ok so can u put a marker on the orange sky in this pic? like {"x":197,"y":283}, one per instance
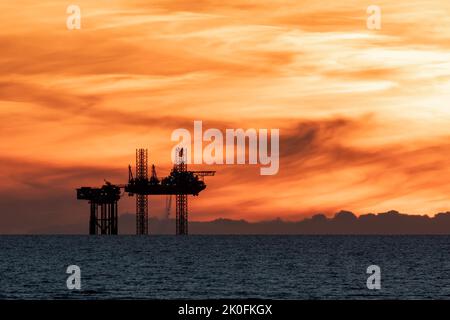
{"x":363,"y":115}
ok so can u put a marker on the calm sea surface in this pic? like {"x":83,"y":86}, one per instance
{"x":202,"y":267}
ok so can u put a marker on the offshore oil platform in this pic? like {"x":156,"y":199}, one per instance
{"x":180,"y":182}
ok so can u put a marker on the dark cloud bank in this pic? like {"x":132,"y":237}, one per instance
{"x":344,"y":222}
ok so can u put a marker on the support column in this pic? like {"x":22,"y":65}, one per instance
{"x":141,"y":199}
{"x":93,"y":219}
{"x":181,"y":214}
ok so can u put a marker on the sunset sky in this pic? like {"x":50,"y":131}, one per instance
{"x":364,"y":115}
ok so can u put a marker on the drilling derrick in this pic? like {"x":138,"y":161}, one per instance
{"x":141,"y":199}
{"x":181,"y":197}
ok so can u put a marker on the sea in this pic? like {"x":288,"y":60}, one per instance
{"x":225,"y":267}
